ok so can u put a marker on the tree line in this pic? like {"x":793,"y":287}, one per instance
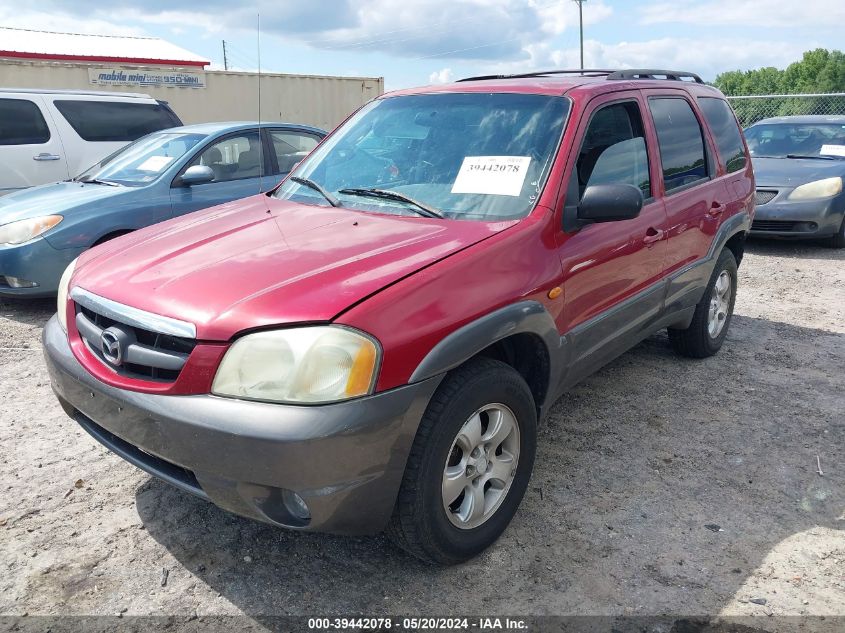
{"x":818,"y":71}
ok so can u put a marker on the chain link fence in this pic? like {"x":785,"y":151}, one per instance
{"x":750,"y":109}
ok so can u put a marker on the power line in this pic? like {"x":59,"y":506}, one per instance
{"x":470,"y":48}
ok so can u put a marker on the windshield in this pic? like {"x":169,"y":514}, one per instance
{"x":780,"y":140}
{"x":463,"y":156}
{"x":143,"y":161}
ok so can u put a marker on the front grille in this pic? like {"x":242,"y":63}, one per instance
{"x":762,"y":196}
{"x":149,"y":356}
{"x":773,"y":225}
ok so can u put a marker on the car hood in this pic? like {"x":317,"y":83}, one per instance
{"x":791,"y":172}
{"x":56,"y":198}
{"x":260,"y":261}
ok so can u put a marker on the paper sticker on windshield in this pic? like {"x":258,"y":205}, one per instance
{"x":496,"y":175}
{"x":155,"y":163}
{"x":832,"y":150}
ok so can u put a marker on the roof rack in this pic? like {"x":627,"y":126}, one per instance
{"x":630,"y":73}
{"x":587,"y":72}
{"x":649,"y":73}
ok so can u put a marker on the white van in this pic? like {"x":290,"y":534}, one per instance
{"x":51,"y":135}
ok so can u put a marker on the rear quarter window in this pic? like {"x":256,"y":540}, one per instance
{"x":722,"y":122}
{"x":103,"y":121}
{"x":21,"y":123}
{"x":681,"y":142}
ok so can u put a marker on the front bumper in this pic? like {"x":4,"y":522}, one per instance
{"x":808,"y":219}
{"x":36,"y":261}
{"x":344,"y":460}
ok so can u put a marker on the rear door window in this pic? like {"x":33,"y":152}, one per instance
{"x":115,"y":121}
{"x":680,"y":140}
{"x":21,"y":123}
{"x":725,"y":129}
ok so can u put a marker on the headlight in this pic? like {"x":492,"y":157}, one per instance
{"x":61,"y":302}
{"x":817,"y":189}
{"x":25,"y":230}
{"x":300,"y":365}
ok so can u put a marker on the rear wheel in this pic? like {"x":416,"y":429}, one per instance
{"x":469,"y":465}
{"x":709,"y":327}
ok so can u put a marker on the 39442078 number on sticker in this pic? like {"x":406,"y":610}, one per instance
{"x":493,"y":175}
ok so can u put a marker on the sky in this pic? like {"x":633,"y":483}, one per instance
{"x":416,"y":42}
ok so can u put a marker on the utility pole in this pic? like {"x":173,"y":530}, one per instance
{"x":226,"y":59}
{"x":581,"y":26}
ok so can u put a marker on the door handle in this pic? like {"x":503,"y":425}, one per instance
{"x":46,"y":156}
{"x":653,"y":235}
{"x":717,"y":208}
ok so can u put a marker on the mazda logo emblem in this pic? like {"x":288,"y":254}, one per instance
{"x":111,"y":347}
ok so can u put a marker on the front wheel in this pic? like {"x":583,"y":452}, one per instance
{"x":709,"y":327}
{"x":469,"y":465}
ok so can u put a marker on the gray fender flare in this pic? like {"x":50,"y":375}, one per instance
{"x":470,"y":339}
{"x":739,"y":223}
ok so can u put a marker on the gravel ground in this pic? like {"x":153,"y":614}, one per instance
{"x":662,"y":486}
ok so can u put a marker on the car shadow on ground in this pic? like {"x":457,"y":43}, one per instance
{"x":796,"y":249}
{"x":660,"y":485}
{"x":28,"y":311}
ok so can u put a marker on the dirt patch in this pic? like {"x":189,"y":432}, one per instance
{"x":662,"y":486}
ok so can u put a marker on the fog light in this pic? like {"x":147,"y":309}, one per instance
{"x":296,"y":506}
{"x":17,"y":282}
{"x":806,"y":227}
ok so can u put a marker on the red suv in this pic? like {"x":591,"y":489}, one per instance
{"x":372,"y":344}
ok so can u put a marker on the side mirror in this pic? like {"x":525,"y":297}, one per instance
{"x":197,"y":175}
{"x":607,"y":203}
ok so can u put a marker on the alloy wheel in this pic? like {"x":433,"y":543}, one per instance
{"x":720,"y":304}
{"x":481,"y":466}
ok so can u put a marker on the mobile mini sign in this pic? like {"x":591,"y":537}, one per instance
{"x":146,"y":78}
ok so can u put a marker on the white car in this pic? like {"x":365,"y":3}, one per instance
{"x":52,"y":135}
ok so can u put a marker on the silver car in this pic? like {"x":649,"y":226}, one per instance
{"x":799,"y":166}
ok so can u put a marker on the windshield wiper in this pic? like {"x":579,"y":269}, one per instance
{"x":422,"y":208}
{"x":817,"y":157}
{"x":307,"y":182}
{"x":97,"y":181}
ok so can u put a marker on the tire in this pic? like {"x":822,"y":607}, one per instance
{"x":421,"y":523}
{"x":698,"y":340}
{"x":838,"y":240}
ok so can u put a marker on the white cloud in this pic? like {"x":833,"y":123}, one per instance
{"x":753,"y":13}
{"x":18,"y":18}
{"x":443,"y":76}
{"x":417,"y":29}
{"x":560,"y":16}
{"x":707,"y":57}
{"x":722,"y":53}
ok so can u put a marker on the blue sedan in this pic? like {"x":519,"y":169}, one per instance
{"x":160,"y":176}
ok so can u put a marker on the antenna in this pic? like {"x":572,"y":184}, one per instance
{"x":260,"y":139}
{"x":225,"y":57}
